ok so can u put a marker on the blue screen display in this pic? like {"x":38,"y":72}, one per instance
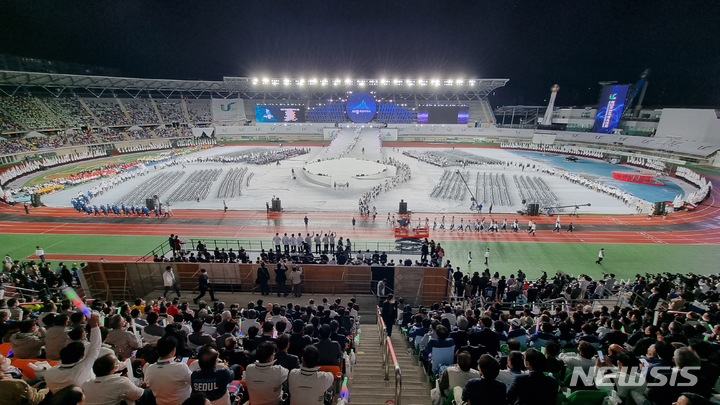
{"x":278,"y":113}
{"x":361,"y":107}
{"x":610,"y":108}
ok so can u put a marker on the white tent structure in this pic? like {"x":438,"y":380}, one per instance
{"x":198,"y":132}
{"x":35,"y":134}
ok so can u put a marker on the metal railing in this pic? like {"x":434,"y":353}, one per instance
{"x":401,"y":247}
{"x":12,"y":291}
{"x":388,"y":357}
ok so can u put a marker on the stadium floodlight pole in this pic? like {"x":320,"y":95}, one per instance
{"x":472,"y":197}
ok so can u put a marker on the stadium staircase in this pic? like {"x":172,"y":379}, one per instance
{"x":157,"y":111}
{"x":89,"y":111}
{"x":21,"y":123}
{"x":186,"y":114}
{"x":123,"y":109}
{"x":368,"y":386}
{"x":48,"y":111}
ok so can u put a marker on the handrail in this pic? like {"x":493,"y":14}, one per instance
{"x":256,"y":246}
{"x":389,"y":355}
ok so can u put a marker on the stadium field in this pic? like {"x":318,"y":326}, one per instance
{"x":625,"y":260}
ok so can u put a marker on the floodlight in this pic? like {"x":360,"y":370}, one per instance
{"x":459,"y":82}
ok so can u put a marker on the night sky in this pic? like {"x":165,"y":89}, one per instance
{"x":533,"y":43}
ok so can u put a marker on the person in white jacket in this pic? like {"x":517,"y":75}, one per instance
{"x":169,"y":281}
{"x":75,"y":367}
{"x":295,"y":278}
{"x":39,"y":252}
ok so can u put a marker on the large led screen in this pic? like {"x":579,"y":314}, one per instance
{"x":361,"y":107}
{"x":610,"y":108}
{"x":443,"y":115}
{"x":277,"y":113}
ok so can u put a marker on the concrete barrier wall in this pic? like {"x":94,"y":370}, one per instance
{"x":129,"y":280}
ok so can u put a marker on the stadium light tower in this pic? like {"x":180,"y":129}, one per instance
{"x":547,"y":119}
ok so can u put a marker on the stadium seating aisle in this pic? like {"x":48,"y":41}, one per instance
{"x":368,"y":387}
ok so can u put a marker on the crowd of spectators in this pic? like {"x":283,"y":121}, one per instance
{"x":199,"y":110}
{"x":166,"y":133}
{"x":54,"y":140}
{"x":14,"y":145}
{"x":26,"y":110}
{"x":7,"y":124}
{"x":70,"y":110}
{"x":140,"y":111}
{"x":529,"y":353}
{"x":110,"y":135}
{"x":144,"y":133}
{"x":171,"y":111}
{"x":163,"y":352}
{"x":107,"y":111}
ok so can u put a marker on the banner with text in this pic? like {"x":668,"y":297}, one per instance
{"x":228,"y":109}
{"x":387,"y":134}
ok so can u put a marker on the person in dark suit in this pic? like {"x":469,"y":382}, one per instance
{"x":281,"y":278}
{"x":665,"y":393}
{"x":263,"y":276}
{"x":298,"y":340}
{"x":534,"y":388}
{"x":652,"y":300}
{"x":488,"y":337}
{"x":474,"y":347}
{"x":389,"y":313}
{"x":460,"y":335}
{"x":268,"y":329}
{"x":204,"y":286}
{"x":330,"y":352}
{"x":616,"y":336}
{"x":282,"y":357}
{"x":485,"y":390}
{"x":340,"y":338}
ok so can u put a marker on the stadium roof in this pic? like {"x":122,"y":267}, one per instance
{"x":12,"y":82}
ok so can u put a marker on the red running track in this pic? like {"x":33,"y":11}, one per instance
{"x":708,"y":236}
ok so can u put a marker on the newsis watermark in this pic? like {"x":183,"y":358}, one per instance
{"x":656,"y":376}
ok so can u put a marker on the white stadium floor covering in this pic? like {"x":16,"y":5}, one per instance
{"x":301,"y":195}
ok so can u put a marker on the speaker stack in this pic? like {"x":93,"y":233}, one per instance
{"x":35,"y":200}
{"x":276,"y":205}
{"x":533,"y":209}
{"x":150,"y":204}
{"x":403,"y":207}
{"x":659,"y":207}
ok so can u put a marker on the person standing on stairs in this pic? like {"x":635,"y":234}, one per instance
{"x":389,"y":313}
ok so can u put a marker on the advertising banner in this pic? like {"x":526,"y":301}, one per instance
{"x":610,"y":108}
{"x":388,"y":134}
{"x":330,"y":133}
{"x":230,"y":109}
